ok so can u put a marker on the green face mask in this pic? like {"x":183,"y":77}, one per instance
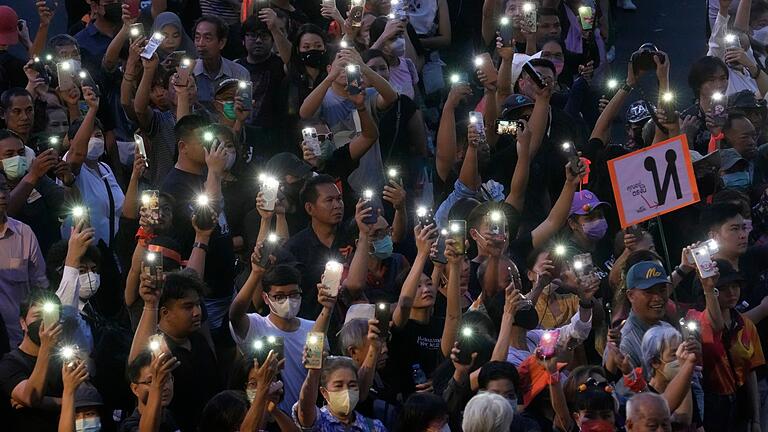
{"x":229,"y":110}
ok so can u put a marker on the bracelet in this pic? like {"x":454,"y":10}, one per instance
{"x":200,"y":245}
{"x":150,"y":309}
{"x":627,"y":88}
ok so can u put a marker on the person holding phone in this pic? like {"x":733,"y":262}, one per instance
{"x":151,"y":381}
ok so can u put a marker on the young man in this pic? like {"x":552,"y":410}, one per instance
{"x":282,"y":294}
{"x":30,"y":375}
{"x":22,"y":266}
{"x":197,"y":377}
{"x":152,"y":383}
{"x":211,"y":68}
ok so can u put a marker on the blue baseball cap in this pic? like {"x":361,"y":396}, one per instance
{"x":646,"y":274}
{"x":584,"y":201}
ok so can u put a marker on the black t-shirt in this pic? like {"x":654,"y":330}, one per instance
{"x":415,"y":343}
{"x":754,"y":266}
{"x":397,"y":149}
{"x":220,"y":259}
{"x":11,"y":71}
{"x":266,"y":77}
{"x":195,"y":381}
{"x":17,"y":366}
{"x":167,"y":423}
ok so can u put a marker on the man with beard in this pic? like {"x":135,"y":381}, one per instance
{"x":265,"y":67}
{"x":30,"y":377}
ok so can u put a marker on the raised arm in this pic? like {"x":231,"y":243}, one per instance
{"x":489,"y":23}
{"x":328,"y":303}
{"x":519,"y":183}
{"x":148,"y":321}
{"x":358,"y":269}
{"x":41,"y":165}
{"x":79,"y":240}
{"x":741,"y":23}
{"x":453,"y":310}
{"x":367,"y":370}
{"x":30,"y":392}
{"x":130,"y":81}
{"x":72,"y":375}
{"x":314,"y":100}
{"x":265,"y":376}
{"x":602,"y":128}
{"x":469,"y":174}
{"x":306,"y":412}
{"x":425,"y":236}
{"x":369,"y":132}
{"x":283,"y":45}
{"x":504,"y":85}
{"x":386,"y":94}
{"x":132,"y":199}
{"x":513,"y":299}
{"x":158,"y":7}
{"x":239,"y":307}
{"x":141,"y":101}
{"x":680,"y":386}
{"x":395,"y":194}
{"x":162,"y":365}
{"x":111,"y":57}
{"x":41,"y":37}
{"x":559,"y":213}
{"x":445,"y":154}
{"x":713,"y":311}
{"x":79,"y":144}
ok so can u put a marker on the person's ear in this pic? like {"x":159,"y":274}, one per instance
{"x":265,"y":298}
{"x":656,"y":363}
{"x":23,"y":324}
{"x":222,"y":43}
{"x":324,"y":393}
{"x":135,"y":389}
{"x":531,"y":275}
{"x":309,"y":208}
{"x":352,"y":350}
{"x":630,"y":295}
{"x":474,"y":234}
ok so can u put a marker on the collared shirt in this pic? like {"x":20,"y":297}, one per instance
{"x":632,"y":337}
{"x":93,"y":45}
{"x":21,"y":267}
{"x":327,"y":422}
{"x":575,"y":332}
{"x":207,"y":82}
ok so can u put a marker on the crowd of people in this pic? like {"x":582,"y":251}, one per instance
{"x":372,"y":215}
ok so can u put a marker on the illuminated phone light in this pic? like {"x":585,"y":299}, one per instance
{"x":455,"y":228}
{"x":78,"y":211}
{"x":668,"y":97}
{"x":202,"y":200}
{"x":528,"y":7}
{"x":258,"y":345}
{"x":712,"y":245}
{"x":382,"y":306}
{"x":53,"y":140}
{"x":186,"y":62}
{"x":692,"y":326}
{"x":272,"y":238}
{"x":351,"y":68}
{"x":368,"y":194}
{"x":479,"y":61}
{"x":455,"y":78}
{"x":242,"y":84}
{"x":578,"y":265}
{"x":560,"y":250}
{"x":344,"y":44}
{"x":566,"y":146}
{"x":145,"y":199}
{"x":421,"y":211}
{"x":37,"y":59}
{"x":333,"y":265}
{"x":208,"y":136}
{"x":730,"y":38}
{"x":584,"y":10}
{"x":313,"y":339}
{"x":547,"y":337}
{"x":134,"y":32}
{"x":151,"y":256}
{"x":613,"y":84}
{"x":504,"y":21}
{"x":392,"y":172}
{"x":394,"y":2}
{"x":466,"y":331}
{"x":49,"y":307}
{"x":157,"y":35}
{"x":154,"y":345}
{"x":495,"y":216}
{"x":68,"y":352}
{"x":717,"y":96}
{"x":391,"y":16}
{"x":443,"y":232}
{"x":269,"y":181}
{"x":66,"y":66}
{"x":473,"y":119}
{"x":48,"y":57}
{"x":271,"y":339}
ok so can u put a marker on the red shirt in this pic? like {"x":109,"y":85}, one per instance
{"x":729,"y":355}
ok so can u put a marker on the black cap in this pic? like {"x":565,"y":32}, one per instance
{"x":515,"y":102}
{"x":285,"y":163}
{"x":728,"y":274}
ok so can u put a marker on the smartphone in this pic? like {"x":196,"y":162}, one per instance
{"x":703,"y":260}
{"x":459,"y":78}
{"x":584,"y":267}
{"x":185,"y":65}
{"x":393,"y":174}
{"x":534,"y":74}
{"x":52,"y":142}
{"x":142,"y":149}
{"x":439,"y":256}
{"x":506,"y":31}
{"x":245,"y":92}
{"x":635,"y":230}
{"x":203,"y":213}
{"x":173,"y":60}
{"x":71,"y":355}
{"x":133,"y":8}
{"x":509,"y":127}
{"x":80,"y":216}
{"x":269,"y":188}
{"x":718,"y":110}
{"x":466,"y":338}
{"x":548,"y":343}
{"x":586,"y":17}
{"x":373,"y":202}
{"x":689,"y":329}
{"x":65,"y":72}
{"x":612,"y":86}
{"x":270,"y":245}
{"x":419,"y":377}
{"x":87,"y":81}
{"x":458,"y":233}
{"x":573,"y":157}
{"x":484,"y":63}
{"x":135,"y":31}
{"x":354,"y":79}
{"x":151,"y":200}
{"x":667,"y":103}
{"x":277,"y":344}
{"x":315,"y":344}
{"x":51,"y":313}
{"x":731,"y":41}
{"x":39,"y":66}
{"x":476,"y":119}
{"x":383,"y":316}
{"x":497,"y":223}
{"x":152,"y":46}
{"x":152,"y":265}
{"x":157,"y":344}
{"x":528,"y":13}
{"x":425,"y":216}
{"x":356,"y":12}
{"x":311,"y":140}
{"x":331,"y":278}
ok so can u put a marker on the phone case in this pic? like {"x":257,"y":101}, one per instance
{"x":152,"y":45}
{"x":331,"y":278}
{"x":204,"y":217}
{"x":585,"y":17}
{"x":440,"y":253}
{"x":66,"y":75}
{"x":311,"y":140}
{"x":373,"y":203}
{"x":486,"y":65}
{"x":87,"y":81}
{"x":269,"y":187}
{"x":354,"y":80}
{"x":466,"y":346}
{"x":270,"y":244}
{"x":719,"y":114}
{"x":383,"y":315}
{"x":586,"y":267}
{"x":51,"y":318}
{"x":424,"y":217}
{"x":245,"y":92}
{"x":356,"y":12}
{"x":529,"y":17}
{"x":458,"y":232}
{"x":154,"y":268}
{"x":534,"y":74}
{"x":315,"y":345}
{"x":548,"y":343}
{"x":506,"y":31}
{"x":133,"y":8}
{"x":703,"y":260}
{"x":183,"y":70}
{"x":153,"y":204}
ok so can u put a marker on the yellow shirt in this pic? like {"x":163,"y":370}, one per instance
{"x":567,"y":305}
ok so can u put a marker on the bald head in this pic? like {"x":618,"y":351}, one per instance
{"x":648,"y":412}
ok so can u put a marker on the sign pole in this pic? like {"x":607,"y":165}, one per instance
{"x":668,"y":263}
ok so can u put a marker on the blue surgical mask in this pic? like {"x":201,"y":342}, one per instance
{"x":88,"y":424}
{"x":229,"y":110}
{"x":595,"y":230}
{"x":382,"y":248}
{"x":15,"y":167}
{"x":737,"y":180}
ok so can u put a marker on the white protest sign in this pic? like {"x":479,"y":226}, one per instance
{"x":653,"y":181}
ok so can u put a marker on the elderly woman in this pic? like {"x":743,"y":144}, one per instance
{"x":487,"y":412}
{"x":668,"y":364}
{"x":337,"y":383}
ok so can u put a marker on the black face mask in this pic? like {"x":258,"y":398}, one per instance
{"x":113,"y":13}
{"x":314,"y":58}
{"x":33,"y":331}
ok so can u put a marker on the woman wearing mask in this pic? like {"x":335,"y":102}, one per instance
{"x":594,"y":408}
{"x":668,"y":364}
{"x":102,"y":198}
{"x":390,"y":37}
{"x":305,"y":70}
{"x":169,"y":25}
{"x":423,"y":412}
{"x":588,"y":228}
{"x":337,"y":383}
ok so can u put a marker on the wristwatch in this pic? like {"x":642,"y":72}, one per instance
{"x":627,"y":88}
{"x":199,"y":245}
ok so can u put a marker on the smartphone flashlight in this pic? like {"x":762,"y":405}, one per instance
{"x":151,"y":257}
{"x":351,"y":68}
{"x":528,"y":7}
{"x":455,"y":228}
{"x":478,"y":61}
{"x":313,"y":339}
{"x":692,"y":326}
{"x":78,"y":211}
{"x":583,"y":10}
{"x":547,"y":337}
{"x":272,"y":238}
{"x":68,"y":352}
{"x":186,"y":62}
{"x":559,"y":250}
{"x":421,"y":212}
{"x":455,"y":78}
{"x":668,"y":97}
{"x":368,"y":194}
{"x":134,"y":32}
{"x":53,"y":140}
{"x":504,"y":21}
{"x":613,"y":84}
{"x":466,"y":332}
{"x":271,"y":339}
{"x":566,"y":146}
{"x":712,"y":246}
{"x":730,"y":38}
{"x":717,"y":96}
{"x":578,"y":265}
{"x":202,"y":200}
{"x":392,"y":172}
{"x":208,"y":136}
{"x":344,"y":44}
{"x":67,"y":65}
{"x":495,"y":216}
{"x":258,"y":345}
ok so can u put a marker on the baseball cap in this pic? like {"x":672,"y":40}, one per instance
{"x":87,"y":396}
{"x":729,"y":158}
{"x":638,"y":112}
{"x":728,"y":274}
{"x":226,"y":84}
{"x":285,"y":163}
{"x":646,"y":274}
{"x":516,"y":101}
{"x":585,"y":201}
{"x":9,"y":22}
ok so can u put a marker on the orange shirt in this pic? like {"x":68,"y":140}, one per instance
{"x":723,"y":376}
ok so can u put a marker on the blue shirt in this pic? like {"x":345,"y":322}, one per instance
{"x":207,"y":83}
{"x":326,"y":422}
{"x":93,"y":45}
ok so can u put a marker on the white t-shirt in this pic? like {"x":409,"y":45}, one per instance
{"x":293,"y":374}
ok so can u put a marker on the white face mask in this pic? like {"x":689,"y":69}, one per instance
{"x":288,"y":309}
{"x":397,"y":47}
{"x":343,"y":402}
{"x":95,"y":148}
{"x":251,"y":394}
{"x":15,"y":167}
{"x":231,"y":156}
{"x":89,"y":284}
{"x":88,"y":424}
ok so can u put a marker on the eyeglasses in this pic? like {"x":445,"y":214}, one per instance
{"x":280,"y":298}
